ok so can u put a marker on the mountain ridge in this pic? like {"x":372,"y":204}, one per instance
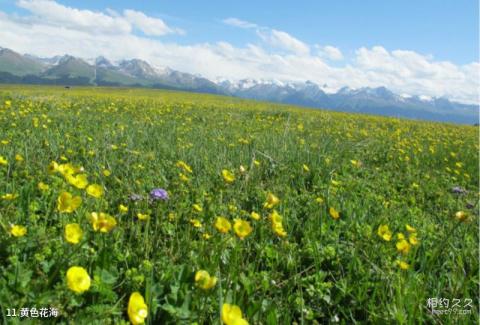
{"x":70,"y":70}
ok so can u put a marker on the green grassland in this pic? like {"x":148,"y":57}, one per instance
{"x":374,"y":171}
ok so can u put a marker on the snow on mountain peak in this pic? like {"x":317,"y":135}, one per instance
{"x":425,"y":98}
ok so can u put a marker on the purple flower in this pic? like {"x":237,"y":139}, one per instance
{"x":158,"y":194}
{"x":458,"y":190}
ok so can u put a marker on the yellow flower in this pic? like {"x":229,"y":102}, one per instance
{"x":122,"y":208}
{"x":305,"y":168}
{"x":73,"y":233}
{"x":319,"y":200}
{"x":384,"y":232}
{"x":183,"y":177}
{"x":67,"y":169}
{"x":95,"y":190}
{"x":272,"y":201}
{"x":42,"y":186}
{"x":402,"y":264}
{"x":106,"y":172}
{"x":410,"y":229}
{"x":242,"y":228}
{"x":256,"y":163}
{"x":275,"y":217}
{"x":206,"y":236}
{"x":171,"y":216}
{"x":137,"y":309}
{"x":181,"y":164}
{"x":232,"y":315}
{"x":3,"y":161}
{"x":18,"y":231}
{"x":403,"y":246}
{"x":254,"y":215}
{"x":228,"y":176}
{"x":79,"y":181}
{"x":461,"y":216}
{"x":52,"y":167}
{"x":142,"y":216}
{"x":356,"y":163}
{"x":334,"y":213}
{"x":9,"y":196}
{"x":277,"y":226}
{"x":412,"y":239}
{"x":204,"y":280}
{"x":197,"y":208}
{"x":196,"y":223}
{"x":223,"y":225}
{"x":102,"y":222}
{"x":78,"y":279}
{"x":278,"y":229}
{"x":19,"y":157}
{"x":68,"y":203}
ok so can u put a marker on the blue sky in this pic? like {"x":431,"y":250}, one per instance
{"x":448,"y":30}
{"x":414,"y":47}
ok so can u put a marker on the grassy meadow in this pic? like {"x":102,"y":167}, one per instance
{"x":123,"y":206}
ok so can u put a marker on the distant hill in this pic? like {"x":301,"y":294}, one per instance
{"x":378,"y":101}
{"x":18,"y":65}
{"x":69,"y":70}
{"x":70,"y":67}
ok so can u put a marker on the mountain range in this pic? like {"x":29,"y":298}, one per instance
{"x":68,"y":70}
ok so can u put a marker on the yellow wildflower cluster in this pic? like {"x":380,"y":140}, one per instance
{"x":277,"y":225}
{"x":93,"y":236}
{"x":403,"y":244}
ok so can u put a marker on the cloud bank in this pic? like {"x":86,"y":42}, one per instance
{"x":50,"y":28}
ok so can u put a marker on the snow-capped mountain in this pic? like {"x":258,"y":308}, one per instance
{"x":102,"y":62}
{"x":379,"y":101}
{"x":69,"y":70}
{"x":48,"y":62}
{"x":138,"y":68}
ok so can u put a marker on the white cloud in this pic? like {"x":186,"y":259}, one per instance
{"x":58,"y":30}
{"x":49,"y":12}
{"x":148,"y":25}
{"x":284,"y":41}
{"x":329,"y":52}
{"x":52,"y":13}
{"x":239,"y":23}
{"x":413,"y":73}
{"x":274,"y":38}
